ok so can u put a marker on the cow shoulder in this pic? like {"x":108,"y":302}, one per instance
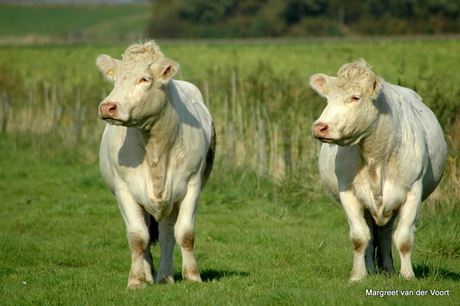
{"x":190,"y":104}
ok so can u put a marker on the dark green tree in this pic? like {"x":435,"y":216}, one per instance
{"x":302,"y":18}
{"x":295,"y":10}
{"x":204,"y":11}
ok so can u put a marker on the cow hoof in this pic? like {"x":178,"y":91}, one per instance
{"x":357,"y":278}
{"x":149,"y":280}
{"x":193,"y":278}
{"x":137,"y":285}
{"x":410,"y":277}
{"x":165,"y":280}
{"x":388,"y":272}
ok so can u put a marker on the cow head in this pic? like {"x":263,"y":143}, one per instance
{"x":351,"y":109}
{"x":139,"y":80}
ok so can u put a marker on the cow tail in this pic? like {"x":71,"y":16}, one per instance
{"x":210,"y":156}
{"x":153,"y":230}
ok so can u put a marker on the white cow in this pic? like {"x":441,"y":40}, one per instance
{"x":156,"y":154}
{"x":383,"y":154}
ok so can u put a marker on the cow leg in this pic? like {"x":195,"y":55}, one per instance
{"x":369,"y":255}
{"x":184,"y":231}
{"x":360,"y":234}
{"x":147,"y":258}
{"x":383,"y":246}
{"x":138,"y":239}
{"x":165,"y":273}
{"x":404,"y":234}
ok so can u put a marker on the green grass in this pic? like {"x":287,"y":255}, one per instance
{"x":54,"y":92}
{"x":63,"y":242}
{"x":74,"y":23}
{"x":262,"y":239}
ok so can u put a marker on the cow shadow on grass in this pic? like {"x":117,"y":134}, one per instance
{"x":425,"y":271}
{"x":210,"y":275}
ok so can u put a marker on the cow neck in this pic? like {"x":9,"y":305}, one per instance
{"x":383,"y":136}
{"x":159,"y":142}
{"x":376,"y":150}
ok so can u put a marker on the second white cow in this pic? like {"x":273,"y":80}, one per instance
{"x":383,"y":154}
{"x":156,"y":154}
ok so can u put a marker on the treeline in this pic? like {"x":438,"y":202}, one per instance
{"x":301,"y":18}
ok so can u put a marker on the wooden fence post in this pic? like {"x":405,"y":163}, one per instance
{"x":231,"y":142}
{"x":287,"y":151}
{"x":58,"y":118}
{"x":77,"y":116}
{"x":261,"y":159}
{"x":6,"y":111}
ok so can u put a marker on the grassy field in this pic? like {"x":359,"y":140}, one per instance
{"x":266,"y":232}
{"x":63,"y":242}
{"x":54,"y":23}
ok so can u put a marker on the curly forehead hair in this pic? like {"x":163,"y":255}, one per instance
{"x":149,"y":48}
{"x":356,"y":70}
{"x":357,"y":74}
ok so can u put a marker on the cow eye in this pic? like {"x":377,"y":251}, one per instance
{"x":355,"y":98}
{"x":144,"y":80}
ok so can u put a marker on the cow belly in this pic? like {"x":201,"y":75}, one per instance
{"x":381,"y":204}
{"x":125,"y":169}
{"x":141,"y":187}
{"x":344,"y":162}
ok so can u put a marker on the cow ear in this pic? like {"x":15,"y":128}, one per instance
{"x":319,"y":83}
{"x":376,"y":88}
{"x":167,"y":70}
{"x":107,"y":65}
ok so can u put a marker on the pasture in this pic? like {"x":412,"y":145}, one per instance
{"x":53,"y":23}
{"x":266,"y":233}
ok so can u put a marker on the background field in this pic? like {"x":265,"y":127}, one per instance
{"x":73,"y":24}
{"x":266,"y":232}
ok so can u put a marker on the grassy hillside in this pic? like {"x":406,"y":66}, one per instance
{"x":72,"y":23}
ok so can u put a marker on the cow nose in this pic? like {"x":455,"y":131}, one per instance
{"x":320,"y":130}
{"x":108,"y":110}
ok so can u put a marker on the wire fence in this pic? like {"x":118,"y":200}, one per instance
{"x":267,"y":148}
